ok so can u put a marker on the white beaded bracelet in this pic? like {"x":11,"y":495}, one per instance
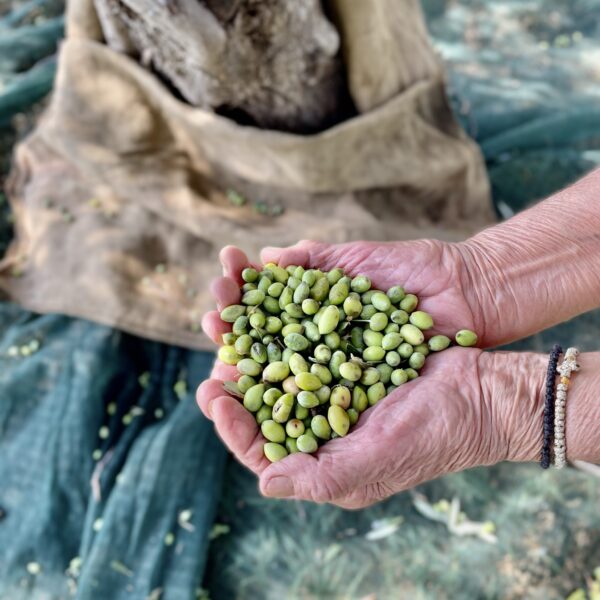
{"x":568,"y":366}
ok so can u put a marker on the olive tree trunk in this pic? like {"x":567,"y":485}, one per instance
{"x":271,"y":63}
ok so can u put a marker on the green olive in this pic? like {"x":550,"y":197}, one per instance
{"x":372,"y":338}
{"x":323,"y":394}
{"x":329,"y":320}
{"x":274,"y":353}
{"x":393,"y":358}
{"x":360,"y":284}
{"x":352,"y":415}
{"x":370,"y":376}
{"x":243,"y":344}
{"x":320,"y":290}
{"x":249,"y":275}
{"x":385,"y":372}
{"x":380,"y":301}
{"x":271,"y":305}
{"x":275,"y":289}
{"x":291,"y":445}
{"x":296,"y":342}
{"x":229,"y":338}
{"x":273,"y":325}
{"x":375,"y":393}
{"x":338,"y":419}
{"x":309,"y":277}
{"x":332,"y":340}
{"x":466,"y":337}
{"x":320,"y":427}
{"x":416,"y":360}
{"x":279,"y":273}
{"x":352,"y":307}
{"x":307,"y":443}
{"x":378,"y":321}
{"x":301,"y":293}
{"x":231,"y":313}
{"x":248,"y":366}
{"x":322,"y":372}
{"x":341,"y":396}
{"x":423,"y":349}
{"x":338,"y":293}
{"x":409,"y":303}
{"x":274,"y":452}
{"x":367,"y":312}
{"x":253,"y":397}
{"x":356,"y":338}
{"x":271,"y":396}
{"x":359,"y":399}
{"x":322,"y":354}
{"x":257,"y":320}
{"x":400,"y":317}
{"x":276,"y":372}
{"x":350,"y":371}
{"x":421,"y":319}
{"x":391,"y":341}
{"x":412,"y":374}
{"x":298,"y":364}
{"x":264,"y":413}
{"x":411,"y":334}
{"x":292,"y":328}
{"x":241,"y":325}
{"x":396,"y":294}
{"x":373,"y":354}
{"x":335,"y":275}
{"x":438,"y":343}
{"x":289,"y":386}
{"x":253,"y":298}
{"x":294,"y":428}
{"x":228,"y":355}
{"x":310,"y":306}
{"x":258,"y":352}
{"x":283,"y":408}
{"x":307,"y":399}
{"x":405,"y":350}
{"x":244,"y":383}
{"x":308,"y":382}
{"x":300,"y":412}
{"x":399,"y":376}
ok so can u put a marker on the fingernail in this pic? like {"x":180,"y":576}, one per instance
{"x":280,"y":487}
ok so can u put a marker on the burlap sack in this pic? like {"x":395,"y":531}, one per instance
{"x":119,"y":195}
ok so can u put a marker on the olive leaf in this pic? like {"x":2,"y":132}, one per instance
{"x":232,"y":389}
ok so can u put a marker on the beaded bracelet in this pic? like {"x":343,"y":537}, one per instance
{"x":549,"y":406}
{"x":567,"y":367}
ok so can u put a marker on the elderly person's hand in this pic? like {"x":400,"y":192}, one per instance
{"x":470,"y":407}
{"x":442,"y":422}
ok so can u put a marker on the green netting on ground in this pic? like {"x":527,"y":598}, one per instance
{"x":524,"y":79}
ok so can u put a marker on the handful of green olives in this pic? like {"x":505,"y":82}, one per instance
{"x":315,"y":349}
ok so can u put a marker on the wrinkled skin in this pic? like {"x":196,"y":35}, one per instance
{"x":434,"y":425}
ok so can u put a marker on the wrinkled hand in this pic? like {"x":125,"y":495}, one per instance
{"x":433,"y":425}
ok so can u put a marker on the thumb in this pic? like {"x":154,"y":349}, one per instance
{"x":333,"y":473}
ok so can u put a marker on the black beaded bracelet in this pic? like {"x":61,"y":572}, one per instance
{"x":548,"y":430}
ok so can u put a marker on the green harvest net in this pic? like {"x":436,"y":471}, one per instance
{"x":169,"y":517}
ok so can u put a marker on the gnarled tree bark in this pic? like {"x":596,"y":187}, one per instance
{"x":272,"y":63}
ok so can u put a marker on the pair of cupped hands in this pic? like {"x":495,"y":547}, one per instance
{"x":448,"y":419}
